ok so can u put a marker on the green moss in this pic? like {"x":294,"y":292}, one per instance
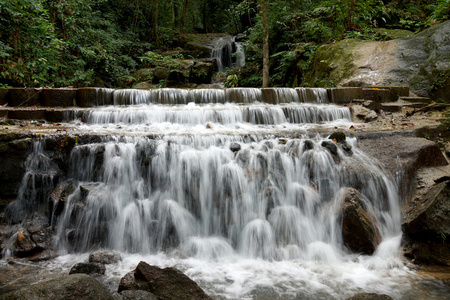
{"x":394,"y":33}
{"x":333,"y":62}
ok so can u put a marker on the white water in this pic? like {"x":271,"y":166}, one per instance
{"x":259,"y":222}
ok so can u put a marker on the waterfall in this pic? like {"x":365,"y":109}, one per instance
{"x":233,"y":179}
{"x":227,"y":53}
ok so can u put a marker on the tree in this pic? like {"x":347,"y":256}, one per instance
{"x":266,"y":65}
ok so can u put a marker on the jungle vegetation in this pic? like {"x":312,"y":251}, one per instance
{"x":59,"y":43}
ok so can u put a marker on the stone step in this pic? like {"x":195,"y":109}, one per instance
{"x":416,"y":99}
{"x":36,"y":113}
{"x":399,"y":105}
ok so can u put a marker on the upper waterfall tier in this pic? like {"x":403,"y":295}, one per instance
{"x":225,"y":114}
{"x":171,"y":96}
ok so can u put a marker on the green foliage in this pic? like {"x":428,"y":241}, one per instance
{"x":232,"y":81}
{"x":152,"y":59}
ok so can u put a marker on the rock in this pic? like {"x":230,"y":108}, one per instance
{"x":339,"y":136}
{"x":235,"y":147}
{"x":161,"y":73}
{"x":68,"y":287}
{"x":104,"y":257}
{"x":137,"y":295}
{"x":44,"y":255}
{"x":60,"y":194}
{"x":426,"y":226}
{"x":145,"y":74}
{"x":359,"y":233}
{"x":168,"y":283}
{"x":421,"y":61}
{"x":370,"y":296}
{"x":403,"y":155}
{"x":88,"y":268}
{"x":308,"y":145}
{"x":146,"y":85}
{"x":201,"y":72}
{"x":363,"y":113}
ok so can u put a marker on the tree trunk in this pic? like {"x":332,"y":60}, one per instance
{"x":155,"y":16}
{"x":265,"y":43}
{"x":183,"y":20}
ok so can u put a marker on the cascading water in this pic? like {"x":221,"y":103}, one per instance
{"x":227,"y":53}
{"x":237,"y":195}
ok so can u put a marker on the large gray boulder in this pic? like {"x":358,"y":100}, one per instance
{"x":167,"y":284}
{"x":421,"y":61}
{"x":69,"y":287}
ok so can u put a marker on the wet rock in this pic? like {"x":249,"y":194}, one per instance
{"x":339,"y":136}
{"x":235,"y":147}
{"x":168,"y":283}
{"x":363,"y":113}
{"x":161,"y":73}
{"x":359,"y":232}
{"x":60,"y":194}
{"x":104,"y":257}
{"x":370,"y":296}
{"x":403,"y":155}
{"x":69,"y":287}
{"x":42,"y":256}
{"x":308,"y":145}
{"x":137,"y":295}
{"x":330,"y":146}
{"x":426,"y":226}
{"x":88,"y":268}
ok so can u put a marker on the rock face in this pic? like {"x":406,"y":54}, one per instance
{"x":71,"y":287}
{"x":168,"y":283}
{"x":426,"y":227}
{"x":358,"y":230}
{"x":402,"y":156}
{"x":421,"y":60}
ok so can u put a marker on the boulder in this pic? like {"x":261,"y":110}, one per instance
{"x":168,"y":283}
{"x":421,"y":61}
{"x":235,"y":147}
{"x":161,"y":73}
{"x":403,"y":155}
{"x":359,"y":232}
{"x":104,"y":257}
{"x":146,"y":85}
{"x":44,"y":255}
{"x":201,"y":72}
{"x":68,"y":287}
{"x":363,"y":114}
{"x":370,"y":296}
{"x":88,"y":268}
{"x":137,"y":295}
{"x":426,"y":226}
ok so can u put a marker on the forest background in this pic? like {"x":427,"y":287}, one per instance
{"x":57,"y":43}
